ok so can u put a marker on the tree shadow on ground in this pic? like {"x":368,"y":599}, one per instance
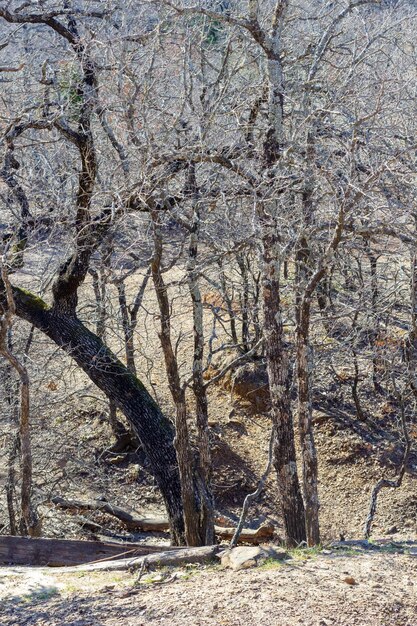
{"x":95,"y":610}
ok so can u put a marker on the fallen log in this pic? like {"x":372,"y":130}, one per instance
{"x":177,"y":556}
{"x":62,"y":552}
{"x":133,"y":521}
{"x":87,"y":524}
{"x":129,"y":518}
{"x":248,"y":535}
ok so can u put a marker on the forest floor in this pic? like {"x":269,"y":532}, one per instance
{"x":73,"y":458}
{"x":309,"y":590}
{"x":375,"y":587}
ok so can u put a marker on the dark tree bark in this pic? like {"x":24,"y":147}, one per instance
{"x":199,"y":387}
{"x":153,"y":429}
{"x":304,"y":376}
{"x":304,"y":354}
{"x":277,"y":355}
{"x":308,"y":448}
{"x":410,"y":343}
{"x":376,"y":360}
{"x":242,"y":263}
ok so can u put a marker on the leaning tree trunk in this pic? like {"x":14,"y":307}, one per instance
{"x":152,"y":427}
{"x":60,"y":322}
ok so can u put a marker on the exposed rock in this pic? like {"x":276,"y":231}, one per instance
{"x":240,"y":558}
{"x":244,"y":557}
{"x":250,"y":382}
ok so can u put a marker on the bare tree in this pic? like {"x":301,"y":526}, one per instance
{"x":30,"y":522}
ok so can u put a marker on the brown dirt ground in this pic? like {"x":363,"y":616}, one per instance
{"x":315,"y":591}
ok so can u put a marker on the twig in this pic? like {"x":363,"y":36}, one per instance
{"x":384,"y":482}
{"x":143,"y":568}
{"x":252,"y":496}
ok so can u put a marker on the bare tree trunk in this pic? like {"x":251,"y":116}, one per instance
{"x":229,"y":304}
{"x":304,"y":353}
{"x":308,"y":447}
{"x":324,"y":302}
{"x":413,"y":290}
{"x":99,"y":287}
{"x":13,"y":443}
{"x":60,"y":322}
{"x":304,"y":369}
{"x":100,"y":292}
{"x":199,"y":387}
{"x":359,"y":411}
{"x":255,"y":308}
{"x":152,"y":427}
{"x":11,"y":482}
{"x":30,"y":523}
{"x":373,"y":259}
{"x":285,"y":269}
{"x":276,"y":348}
{"x":410,"y":348}
{"x":130,"y":317}
{"x":127,"y":328}
{"x":277,"y":355}
{"x":189,"y":491}
{"x":241,"y":261}
{"x":304,"y":360}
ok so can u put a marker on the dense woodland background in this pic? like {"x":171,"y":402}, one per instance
{"x":208,"y":238}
